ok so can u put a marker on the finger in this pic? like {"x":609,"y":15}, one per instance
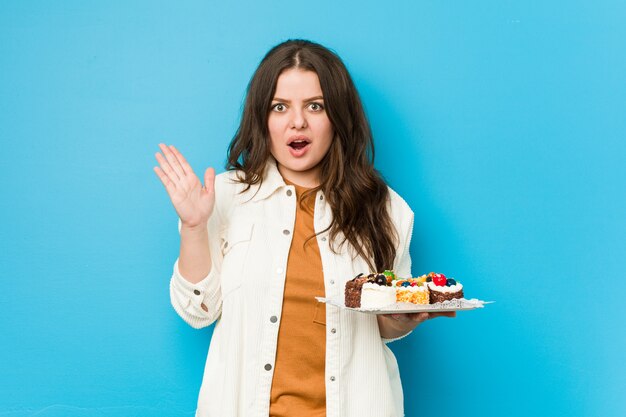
{"x":167,"y":168}
{"x":183,"y":162}
{"x":171,"y":158}
{"x":167,"y":183}
{"x":209,"y":180}
{"x":401,"y":317}
{"x":443,"y":314}
{"x":419,"y":317}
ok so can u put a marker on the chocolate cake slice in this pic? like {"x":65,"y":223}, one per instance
{"x":354,"y":288}
{"x":439,"y":297}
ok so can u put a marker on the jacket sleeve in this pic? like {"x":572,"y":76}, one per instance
{"x":188,"y":299}
{"x":403,"y":218}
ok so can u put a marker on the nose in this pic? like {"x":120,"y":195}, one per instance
{"x":298,"y":119}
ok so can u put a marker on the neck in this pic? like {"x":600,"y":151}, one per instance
{"x":306,"y":179}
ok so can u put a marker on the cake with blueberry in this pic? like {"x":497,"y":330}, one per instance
{"x":411,"y":290}
{"x":369,"y":292}
{"x":442,"y":288}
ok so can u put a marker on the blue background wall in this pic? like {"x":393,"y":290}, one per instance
{"x":502,"y":123}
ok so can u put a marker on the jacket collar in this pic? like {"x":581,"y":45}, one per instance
{"x":272,"y":181}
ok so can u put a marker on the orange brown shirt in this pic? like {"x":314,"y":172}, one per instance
{"x":298,"y":385}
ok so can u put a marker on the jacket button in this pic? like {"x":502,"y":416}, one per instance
{"x":289,"y":193}
{"x":324,"y":239}
{"x":273,"y":319}
{"x":333,"y":331}
{"x":332,"y":378}
{"x":286,"y":232}
{"x":196,"y":292}
{"x":321,"y":197}
{"x":332,"y":281}
{"x":225,"y":244}
{"x":268,"y":367}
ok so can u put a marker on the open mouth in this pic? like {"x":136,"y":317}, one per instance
{"x":298,"y":144}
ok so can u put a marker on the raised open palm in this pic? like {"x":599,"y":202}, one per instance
{"x":192,"y":201}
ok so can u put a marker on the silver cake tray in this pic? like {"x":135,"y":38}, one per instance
{"x":399,"y":308}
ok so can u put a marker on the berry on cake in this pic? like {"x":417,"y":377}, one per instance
{"x":442,"y":288}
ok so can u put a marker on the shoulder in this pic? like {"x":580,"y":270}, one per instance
{"x":228,"y":181}
{"x":399,"y":209}
{"x":401,"y":215}
{"x":228,"y":190}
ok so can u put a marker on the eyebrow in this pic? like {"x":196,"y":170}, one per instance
{"x":306,"y":100}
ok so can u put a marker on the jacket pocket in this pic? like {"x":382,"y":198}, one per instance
{"x":319,"y":316}
{"x":235,"y":248}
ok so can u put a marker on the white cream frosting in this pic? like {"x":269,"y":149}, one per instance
{"x":451,"y":289}
{"x":377,"y":296}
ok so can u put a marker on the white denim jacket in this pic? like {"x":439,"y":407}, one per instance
{"x":250,"y":236}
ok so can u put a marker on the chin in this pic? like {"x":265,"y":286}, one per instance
{"x":301,"y":167}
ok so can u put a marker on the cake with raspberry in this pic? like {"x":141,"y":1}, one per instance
{"x":411,"y":290}
{"x":442,"y":288}
{"x":369,"y":292}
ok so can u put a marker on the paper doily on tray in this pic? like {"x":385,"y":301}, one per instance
{"x":452,"y":305}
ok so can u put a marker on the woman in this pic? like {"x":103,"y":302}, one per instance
{"x":300,"y":211}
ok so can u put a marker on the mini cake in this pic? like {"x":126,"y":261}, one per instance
{"x":442,"y":288}
{"x":353,"y":291}
{"x":369,"y":292}
{"x":411,"y":290}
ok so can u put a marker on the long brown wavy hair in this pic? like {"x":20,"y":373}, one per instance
{"x":353,"y":188}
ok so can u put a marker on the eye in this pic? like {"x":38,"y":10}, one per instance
{"x":279,"y":107}
{"x":316,"y":107}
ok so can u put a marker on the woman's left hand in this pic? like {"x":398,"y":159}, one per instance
{"x":395,"y":325}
